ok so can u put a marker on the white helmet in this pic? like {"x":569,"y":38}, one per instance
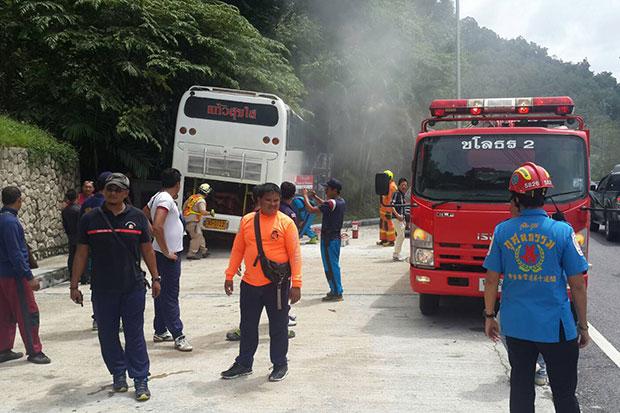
{"x":204,"y":188}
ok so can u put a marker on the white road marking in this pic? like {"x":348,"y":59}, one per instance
{"x":604,"y":345}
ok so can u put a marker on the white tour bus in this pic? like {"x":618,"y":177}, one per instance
{"x":234,"y":140}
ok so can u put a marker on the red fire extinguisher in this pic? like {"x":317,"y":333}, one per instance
{"x":355,"y":229}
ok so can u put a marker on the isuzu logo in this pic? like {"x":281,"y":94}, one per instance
{"x":484,"y":236}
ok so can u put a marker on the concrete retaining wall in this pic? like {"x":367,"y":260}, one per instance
{"x":43,"y":185}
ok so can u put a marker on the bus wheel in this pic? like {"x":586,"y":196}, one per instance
{"x":429,"y":304}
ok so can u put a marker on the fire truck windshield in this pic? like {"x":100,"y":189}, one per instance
{"x":477,"y":168}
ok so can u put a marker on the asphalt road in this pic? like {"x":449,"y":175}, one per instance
{"x":599,"y":377}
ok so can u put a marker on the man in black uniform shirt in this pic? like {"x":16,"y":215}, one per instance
{"x":116,"y":235}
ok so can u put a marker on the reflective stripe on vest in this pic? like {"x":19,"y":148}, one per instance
{"x":188,"y":209}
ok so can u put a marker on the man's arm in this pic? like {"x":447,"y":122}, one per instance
{"x":291,"y":238}
{"x":79,"y":266}
{"x":309,"y":207}
{"x":579,"y":293}
{"x":491,"y":285}
{"x":236,"y":256}
{"x":147,"y":212}
{"x":13,"y":242}
{"x":148,"y":254}
{"x":158,"y":231}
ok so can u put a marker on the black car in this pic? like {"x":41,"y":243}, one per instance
{"x":606,"y":203}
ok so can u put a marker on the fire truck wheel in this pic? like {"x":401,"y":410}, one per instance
{"x":594,"y":226}
{"x":429,"y":304}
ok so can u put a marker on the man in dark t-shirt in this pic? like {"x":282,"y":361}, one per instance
{"x":333,"y":216}
{"x":117,"y":235}
{"x":288,"y":193}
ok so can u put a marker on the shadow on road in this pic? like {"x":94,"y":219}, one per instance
{"x":397,"y":314}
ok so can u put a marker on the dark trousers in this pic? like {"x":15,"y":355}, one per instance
{"x":330,"y":254}
{"x":167,"y":311}
{"x":252,"y":300}
{"x":17,"y":306}
{"x":561,"y":359}
{"x":109,"y":309}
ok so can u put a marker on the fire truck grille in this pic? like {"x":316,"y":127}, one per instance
{"x":462,"y":268}
{"x":461,"y":257}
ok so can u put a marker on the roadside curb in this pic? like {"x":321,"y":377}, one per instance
{"x":51,"y":276}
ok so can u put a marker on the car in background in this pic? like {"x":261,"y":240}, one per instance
{"x":606,"y":205}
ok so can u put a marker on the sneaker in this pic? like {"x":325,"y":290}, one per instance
{"x":204,"y":253}
{"x":380,"y":242}
{"x":291,"y":334}
{"x":142,"y":389}
{"x":182,"y":344}
{"x":193,"y":257}
{"x":388,"y":243}
{"x":278,"y":373}
{"x":39,"y":358}
{"x":313,"y":240}
{"x":236,"y":370}
{"x":233,"y":335}
{"x":10,"y":355}
{"x":94,"y":327}
{"x":119,"y":383}
{"x":160,"y":338}
{"x":292,"y":320}
{"x":540,"y":377}
{"x":332,"y":297}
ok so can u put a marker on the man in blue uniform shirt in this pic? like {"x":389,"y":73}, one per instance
{"x":538,"y":258}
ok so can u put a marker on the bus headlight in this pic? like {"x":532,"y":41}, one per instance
{"x":422,"y":254}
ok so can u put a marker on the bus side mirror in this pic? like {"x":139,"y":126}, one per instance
{"x":382,"y":184}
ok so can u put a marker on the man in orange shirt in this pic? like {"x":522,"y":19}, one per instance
{"x":280,"y":241}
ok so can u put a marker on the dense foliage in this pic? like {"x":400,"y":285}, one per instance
{"x":106,"y":75}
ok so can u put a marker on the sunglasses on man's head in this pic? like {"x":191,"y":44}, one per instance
{"x":114,"y":188}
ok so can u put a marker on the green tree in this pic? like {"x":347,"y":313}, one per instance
{"x":106,"y":75}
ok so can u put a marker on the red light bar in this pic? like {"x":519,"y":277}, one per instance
{"x":559,"y":105}
{"x":443,"y":107}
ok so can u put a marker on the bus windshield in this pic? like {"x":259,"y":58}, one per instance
{"x":477,"y":168}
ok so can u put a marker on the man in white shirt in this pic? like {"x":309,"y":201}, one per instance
{"x":168,"y":243}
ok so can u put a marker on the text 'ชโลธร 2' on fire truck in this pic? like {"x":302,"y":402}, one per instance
{"x":460,"y":183}
{"x":234,"y":140}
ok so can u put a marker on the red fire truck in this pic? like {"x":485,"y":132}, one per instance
{"x":463,"y":159}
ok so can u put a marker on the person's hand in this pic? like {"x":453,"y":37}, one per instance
{"x":155,"y":288}
{"x":228,"y":287}
{"x":77,"y":297}
{"x":172,"y":256}
{"x":294,"y":295}
{"x":584,"y":338}
{"x":491,"y":329}
{"x":35,"y":284}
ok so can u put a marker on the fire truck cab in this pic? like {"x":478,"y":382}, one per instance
{"x":463,"y":158}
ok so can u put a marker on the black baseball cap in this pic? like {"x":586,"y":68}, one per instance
{"x":333,"y":183}
{"x":117,"y":179}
